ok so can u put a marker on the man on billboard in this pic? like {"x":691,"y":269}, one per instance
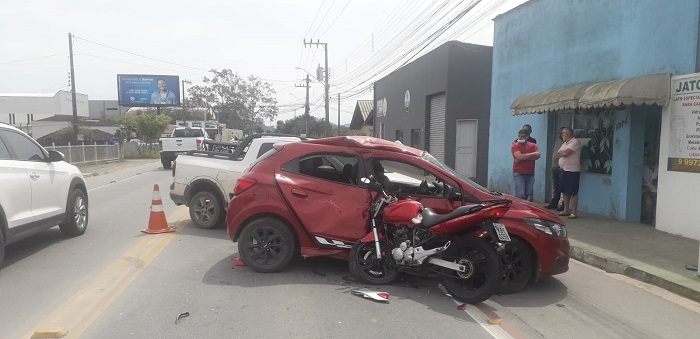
{"x":163,"y":96}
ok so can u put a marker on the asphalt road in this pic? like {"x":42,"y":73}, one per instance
{"x":116,"y":282}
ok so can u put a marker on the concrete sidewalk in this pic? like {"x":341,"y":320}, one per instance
{"x":91,"y":170}
{"x":638,"y":251}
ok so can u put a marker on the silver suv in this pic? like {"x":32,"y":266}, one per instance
{"x":38,"y":190}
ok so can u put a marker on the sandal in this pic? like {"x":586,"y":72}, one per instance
{"x":573,"y":216}
{"x":563,"y":214}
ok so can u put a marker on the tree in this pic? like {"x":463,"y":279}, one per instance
{"x":151,"y":126}
{"x":148,"y":125}
{"x":298,"y":126}
{"x":238,"y":102}
{"x":259,"y":101}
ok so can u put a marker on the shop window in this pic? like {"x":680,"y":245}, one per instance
{"x":399,"y":135}
{"x":594,"y":130}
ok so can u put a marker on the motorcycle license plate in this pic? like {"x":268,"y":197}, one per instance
{"x":501,"y":232}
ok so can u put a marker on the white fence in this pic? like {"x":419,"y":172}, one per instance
{"x":83,"y":154}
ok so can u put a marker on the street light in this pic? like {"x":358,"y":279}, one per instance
{"x":307,"y":72}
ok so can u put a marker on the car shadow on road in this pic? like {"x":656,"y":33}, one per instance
{"x":335,"y":272}
{"x":17,"y":251}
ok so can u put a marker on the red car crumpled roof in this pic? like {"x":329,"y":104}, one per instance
{"x":367,"y":143}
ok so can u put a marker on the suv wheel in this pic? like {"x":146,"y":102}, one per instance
{"x":76,"y":214}
{"x":167,"y":164}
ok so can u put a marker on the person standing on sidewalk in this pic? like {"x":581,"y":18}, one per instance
{"x":556,"y":174}
{"x":569,"y":157}
{"x":524,"y":155}
{"x":529,"y":134}
{"x":650,"y":181}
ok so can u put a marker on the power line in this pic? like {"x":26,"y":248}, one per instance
{"x":142,"y":56}
{"x":34,"y":58}
{"x":336,"y":18}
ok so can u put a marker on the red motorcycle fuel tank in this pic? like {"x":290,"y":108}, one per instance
{"x":402,"y":211}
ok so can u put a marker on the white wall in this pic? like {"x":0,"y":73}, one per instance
{"x":41,"y":106}
{"x":677,"y":208}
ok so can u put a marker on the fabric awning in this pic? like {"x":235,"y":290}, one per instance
{"x":554,"y":100}
{"x":654,"y":89}
{"x":651,"y":89}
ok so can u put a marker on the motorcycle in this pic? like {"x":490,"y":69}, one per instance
{"x":460,"y":247}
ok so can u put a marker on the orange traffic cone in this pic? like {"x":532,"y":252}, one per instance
{"x":157,"y":222}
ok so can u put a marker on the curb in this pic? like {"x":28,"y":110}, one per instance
{"x":616,"y":266}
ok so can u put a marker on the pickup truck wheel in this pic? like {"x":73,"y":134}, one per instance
{"x":76,"y":214}
{"x":166,"y":163}
{"x":205,"y":210}
{"x":266,"y":245}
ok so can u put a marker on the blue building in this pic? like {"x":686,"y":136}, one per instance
{"x":603,"y":68}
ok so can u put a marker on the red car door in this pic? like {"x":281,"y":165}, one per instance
{"x":323,"y":192}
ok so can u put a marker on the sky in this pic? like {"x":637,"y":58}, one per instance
{"x":366,"y":40}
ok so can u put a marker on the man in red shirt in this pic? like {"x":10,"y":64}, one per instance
{"x":524,"y":155}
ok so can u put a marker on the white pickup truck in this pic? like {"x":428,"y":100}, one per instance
{"x":203,"y":180}
{"x":181,"y":141}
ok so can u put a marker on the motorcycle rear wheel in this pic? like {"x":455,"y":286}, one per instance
{"x":365,"y":266}
{"x":483,"y":273}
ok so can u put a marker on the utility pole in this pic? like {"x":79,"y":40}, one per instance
{"x":306,"y":106}
{"x":72,"y":89}
{"x":184,"y":101}
{"x":338,"y":114}
{"x":325,"y":47}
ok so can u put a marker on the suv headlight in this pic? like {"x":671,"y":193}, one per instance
{"x":547,"y":227}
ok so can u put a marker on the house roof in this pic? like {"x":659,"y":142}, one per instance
{"x":90,"y":134}
{"x":364,"y":109}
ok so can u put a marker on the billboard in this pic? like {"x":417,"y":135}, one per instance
{"x":143,"y":90}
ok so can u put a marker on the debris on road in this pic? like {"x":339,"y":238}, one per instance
{"x":182,"y":315}
{"x":462,"y":307}
{"x":374,"y":295}
{"x":238,"y":262}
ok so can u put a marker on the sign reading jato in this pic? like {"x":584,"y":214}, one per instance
{"x":138,"y":90}
{"x":684,"y":143}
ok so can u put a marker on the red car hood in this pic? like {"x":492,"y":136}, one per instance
{"x":525,"y":209}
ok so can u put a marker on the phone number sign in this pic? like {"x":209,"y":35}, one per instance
{"x":684,"y":143}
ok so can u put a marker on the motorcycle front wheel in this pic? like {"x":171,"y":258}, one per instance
{"x":365,"y":266}
{"x":482,"y":274}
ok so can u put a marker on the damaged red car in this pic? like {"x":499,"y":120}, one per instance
{"x":308,"y":198}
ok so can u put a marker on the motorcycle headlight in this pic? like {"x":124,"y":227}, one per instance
{"x":547,"y":227}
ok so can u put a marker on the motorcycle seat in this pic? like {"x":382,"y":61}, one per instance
{"x":430,"y":218}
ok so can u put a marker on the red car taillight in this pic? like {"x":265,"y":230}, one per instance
{"x":243,"y":184}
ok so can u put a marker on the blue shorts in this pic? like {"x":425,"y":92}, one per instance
{"x":523,"y":185}
{"x":569,"y":182}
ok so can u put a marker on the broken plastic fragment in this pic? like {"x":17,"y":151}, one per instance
{"x":461,"y":307}
{"x":182,"y":315}
{"x":494,"y":321}
{"x":238,"y":262}
{"x":374,"y":295}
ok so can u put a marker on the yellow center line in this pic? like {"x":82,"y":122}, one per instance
{"x":82,"y":309}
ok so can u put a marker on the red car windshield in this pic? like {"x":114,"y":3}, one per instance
{"x":429,"y":158}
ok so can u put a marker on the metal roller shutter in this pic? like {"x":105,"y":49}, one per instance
{"x":436,"y":145}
